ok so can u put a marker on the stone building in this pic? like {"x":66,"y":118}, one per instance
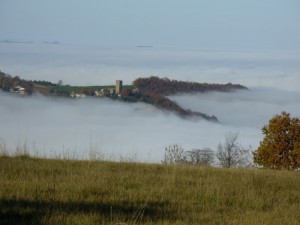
{"x":118,"y":87}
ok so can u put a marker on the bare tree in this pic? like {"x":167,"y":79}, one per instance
{"x":174,"y":154}
{"x":201,"y":157}
{"x":232,"y":153}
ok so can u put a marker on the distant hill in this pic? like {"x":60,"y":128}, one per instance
{"x":156,"y":89}
{"x":164,"y":86}
{"x":28,"y":42}
{"x":152,"y":90}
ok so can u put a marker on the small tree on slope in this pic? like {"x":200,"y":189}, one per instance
{"x":174,"y":154}
{"x":280,"y":148}
{"x":232,"y":154}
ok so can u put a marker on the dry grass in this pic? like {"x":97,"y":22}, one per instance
{"x":40,"y":191}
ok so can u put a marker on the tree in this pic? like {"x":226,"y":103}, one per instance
{"x":5,"y":84}
{"x":280,"y":147}
{"x":174,"y":154}
{"x":201,"y":157}
{"x":125,"y":92}
{"x":60,"y":83}
{"x":16,"y":81}
{"x":86,"y":91}
{"x":232,"y":153}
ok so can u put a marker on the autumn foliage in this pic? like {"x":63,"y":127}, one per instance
{"x":280,"y":148}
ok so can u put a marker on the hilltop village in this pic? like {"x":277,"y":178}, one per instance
{"x":106,"y":92}
{"x":16,"y":85}
{"x":152,"y":90}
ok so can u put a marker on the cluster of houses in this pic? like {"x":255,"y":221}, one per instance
{"x":76,"y":95}
{"x":104,"y":92}
{"x":99,"y":93}
{"x":18,"y":90}
{"x":108,"y":91}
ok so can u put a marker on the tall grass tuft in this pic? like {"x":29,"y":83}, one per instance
{"x":4,"y":152}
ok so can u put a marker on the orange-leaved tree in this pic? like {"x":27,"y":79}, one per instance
{"x":280,"y":148}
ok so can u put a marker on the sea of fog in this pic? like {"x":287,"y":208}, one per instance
{"x":102,"y":128}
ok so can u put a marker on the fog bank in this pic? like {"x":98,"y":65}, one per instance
{"x":137,"y":131}
{"x":79,"y":128}
{"x":89,"y":65}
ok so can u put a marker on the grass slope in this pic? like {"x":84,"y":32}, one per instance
{"x":40,"y":191}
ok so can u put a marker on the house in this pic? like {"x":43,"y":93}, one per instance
{"x":76,"y":95}
{"x":111,"y":91}
{"x":135,"y":91}
{"x":99,"y":93}
{"x":18,"y":90}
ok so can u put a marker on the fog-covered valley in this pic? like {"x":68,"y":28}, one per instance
{"x":88,"y":128}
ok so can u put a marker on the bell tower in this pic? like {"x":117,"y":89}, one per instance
{"x":118,"y":87}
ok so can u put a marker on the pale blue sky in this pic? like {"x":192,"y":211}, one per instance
{"x":212,"y":24}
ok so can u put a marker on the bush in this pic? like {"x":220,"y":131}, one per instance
{"x":174,"y":154}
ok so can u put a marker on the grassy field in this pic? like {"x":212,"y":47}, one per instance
{"x":43,"y":191}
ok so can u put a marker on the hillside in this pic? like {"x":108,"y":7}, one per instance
{"x":157,"y":89}
{"x":152,"y":90}
{"x":165,"y":86}
{"x":40,"y":191}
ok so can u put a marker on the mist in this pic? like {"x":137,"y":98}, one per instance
{"x":90,"y":65}
{"x":54,"y":127}
{"x":247,"y":108}
{"x":79,"y":128}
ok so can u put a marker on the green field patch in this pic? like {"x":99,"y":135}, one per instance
{"x":78,"y":89}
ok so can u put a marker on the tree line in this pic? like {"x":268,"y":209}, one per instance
{"x":229,"y":154}
{"x":279,"y":149}
{"x":9,"y":82}
{"x":165,"y":86}
{"x":154,"y":90}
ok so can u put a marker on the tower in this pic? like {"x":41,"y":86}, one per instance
{"x":118,"y":87}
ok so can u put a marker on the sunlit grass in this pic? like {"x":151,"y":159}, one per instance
{"x":44,"y":191}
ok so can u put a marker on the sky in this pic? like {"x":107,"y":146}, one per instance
{"x":254,"y":43}
{"x":205,"y":24}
